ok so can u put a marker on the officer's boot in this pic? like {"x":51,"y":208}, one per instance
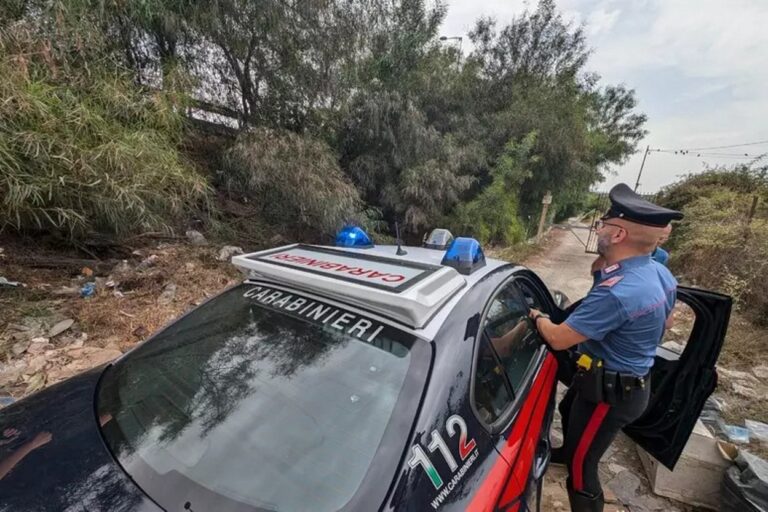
{"x":583,"y":502}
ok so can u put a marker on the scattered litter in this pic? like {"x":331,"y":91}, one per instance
{"x":122,"y":268}
{"x":110,"y":283}
{"x":127,"y":314}
{"x":118,"y":294}
{"x":6,"y":400}
{"x":60,"y":327}
{"x":35,"y":382}
{"x":11,"y":284}
{"x":196,"y":238}
{"x":88,"y":290}
{"x":147,"y":262}
{"x":735,"y":434}
{"x":757,"y":429}
{"x":226,"y":252}
{"x":38,"y":346}
{"x":169,"y":293}
{"x":67,"y":290}
{"x":745,"y":485}
{"x":87,"y":271}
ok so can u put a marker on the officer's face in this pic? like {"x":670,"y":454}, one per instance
{"x":608,"y":233}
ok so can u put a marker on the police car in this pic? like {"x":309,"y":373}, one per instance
{"x":354,"y":377}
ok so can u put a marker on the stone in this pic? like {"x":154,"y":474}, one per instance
{"x":744,"y":391}
{"x":735,"y":375}
{"x":20,"y":347}
{"x":226,"y":252}
{"x":625,"y":485}
{"x":10,"y":373}
{"x":675,"y":347}
{"x":38,"y":346}
{"x":196,"y":238}
{"x":761,"y":372}
{"x":60,"y":327}
{"x":140,"y":332}
{"x":615,"y":468}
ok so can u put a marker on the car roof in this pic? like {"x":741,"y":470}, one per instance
{"x":412,"y":288}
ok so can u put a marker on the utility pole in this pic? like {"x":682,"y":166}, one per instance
{"x":637,"y":183}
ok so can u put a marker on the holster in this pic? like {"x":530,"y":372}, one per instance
{"x":589,"y":383}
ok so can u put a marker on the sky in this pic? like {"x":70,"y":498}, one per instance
{"x":699,"y":69}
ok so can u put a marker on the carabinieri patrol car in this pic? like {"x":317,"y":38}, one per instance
{"x":347,"y":378}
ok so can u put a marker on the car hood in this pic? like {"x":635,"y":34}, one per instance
{"x":52,"y":456}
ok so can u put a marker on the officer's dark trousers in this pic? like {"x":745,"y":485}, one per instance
{"x":588,"y":430}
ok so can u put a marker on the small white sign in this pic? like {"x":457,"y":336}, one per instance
{"x":363,"y":270}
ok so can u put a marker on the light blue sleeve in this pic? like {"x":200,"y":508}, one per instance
{"x":661,"y":255}
{"x":599,"y":313}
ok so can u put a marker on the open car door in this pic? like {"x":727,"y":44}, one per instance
{"x":680,"y":383}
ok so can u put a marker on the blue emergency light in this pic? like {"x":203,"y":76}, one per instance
{"x":465,"y":255}
{"x":353,"y":237}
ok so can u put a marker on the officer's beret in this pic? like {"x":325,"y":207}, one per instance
{"x":626,"y":204}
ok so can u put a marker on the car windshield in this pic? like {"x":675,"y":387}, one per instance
{"x":264,"y":399}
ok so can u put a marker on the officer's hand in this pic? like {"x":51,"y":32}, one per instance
{"x":532,"y":315}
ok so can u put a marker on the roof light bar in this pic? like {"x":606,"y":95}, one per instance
{"x":465,"y":255}
{"x":353,"y":237}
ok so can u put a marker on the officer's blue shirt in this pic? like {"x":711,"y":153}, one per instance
{"x":660,"y":255}
{"x":624,"y":314}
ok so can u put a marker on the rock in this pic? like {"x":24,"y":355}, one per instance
{"x":557,"y":504}
{"x":20,"y":347}
{"x":226,"y":252}
{"x":38,"y":346}
{"x":744,"y":391}
{"x":36,"y":364}
{"x":169,"y":293}
{"x":60,"y":327}
{"x":735,"y":375}
{"x":196,"y":238}
{"x":10,"y":373}
{"x":761,"y":372}
{"x":615,"y":468}
{"x":675,"y":347}
{"x":140,"y":332}
{"x":625,"y":486}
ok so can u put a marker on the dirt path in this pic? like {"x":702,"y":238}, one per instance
{"x":565,"y":267}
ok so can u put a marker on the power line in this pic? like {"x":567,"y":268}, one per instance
{"x":724,"y":147}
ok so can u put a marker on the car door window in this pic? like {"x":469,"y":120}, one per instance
{"x":511,"y":333}
{"x":492,"y":392}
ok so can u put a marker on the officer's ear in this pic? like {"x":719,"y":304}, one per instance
{"x":620,"y":235}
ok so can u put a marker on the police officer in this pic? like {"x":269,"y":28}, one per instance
{"x":616,"y":329}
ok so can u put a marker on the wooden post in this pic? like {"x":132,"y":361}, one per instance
{"x":750,"y":216}
{"x":545,"y":202}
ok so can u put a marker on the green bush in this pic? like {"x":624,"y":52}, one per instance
{"x":294,"y":181}
{"x":492,"y":217}
{"x":715,"y":246}
{"x":92,"y":154}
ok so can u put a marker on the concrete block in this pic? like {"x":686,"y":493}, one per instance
{"x":698,"y":474}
